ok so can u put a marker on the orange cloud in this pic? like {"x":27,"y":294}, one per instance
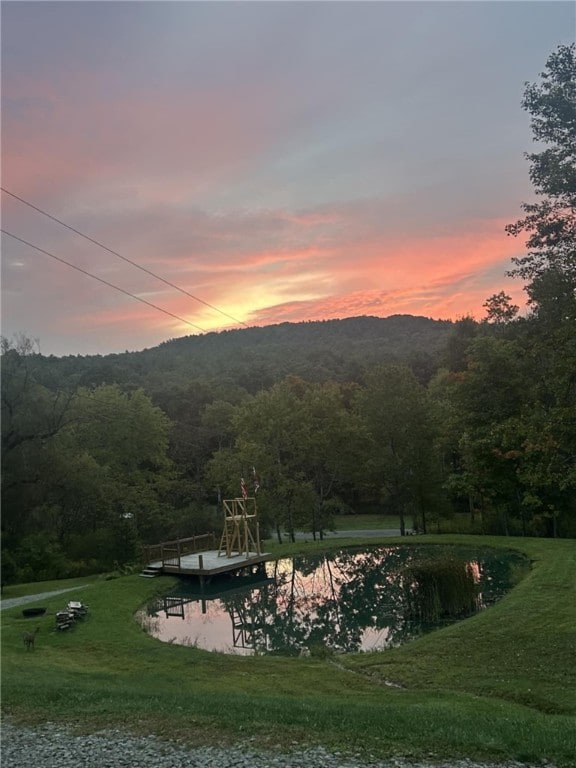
{"x":445,"y":276}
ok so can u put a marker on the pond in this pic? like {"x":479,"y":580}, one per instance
{"x":342,"y":601}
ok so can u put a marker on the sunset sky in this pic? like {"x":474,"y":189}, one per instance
{"x":281,"y":161}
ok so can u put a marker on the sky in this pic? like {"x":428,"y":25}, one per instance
{"x":278,"y":161}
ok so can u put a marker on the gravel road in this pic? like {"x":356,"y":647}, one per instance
{"x":52,"y":746}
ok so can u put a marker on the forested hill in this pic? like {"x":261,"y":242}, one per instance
{"x":257,"y":357}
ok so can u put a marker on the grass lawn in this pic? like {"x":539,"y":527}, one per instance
{"x":368,"y":522}
{"x":500,"y":685}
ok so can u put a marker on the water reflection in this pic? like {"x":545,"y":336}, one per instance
{"x":344,"y":601}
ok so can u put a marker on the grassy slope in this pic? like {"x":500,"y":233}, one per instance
{"x":500,"y":685}
{"x":523,"y":649}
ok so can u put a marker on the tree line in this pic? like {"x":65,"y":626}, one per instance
{"x":479,"y":431}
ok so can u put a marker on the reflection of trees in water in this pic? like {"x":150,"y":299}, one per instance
{"x":373,"y":598}
{"x":345,"y":601}
{"x":251,"y":616}
{"x":329,"y":601}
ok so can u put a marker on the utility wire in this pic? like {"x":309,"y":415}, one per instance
{"x":105,"y":282}
{"x":124,"y":258}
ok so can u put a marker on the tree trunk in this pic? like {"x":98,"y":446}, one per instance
{"x":522,"y":513}
{"x":505,"y":521}
{"x":290,"y":518}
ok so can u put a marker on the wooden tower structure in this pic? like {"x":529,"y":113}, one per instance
{"x":241,"y":534}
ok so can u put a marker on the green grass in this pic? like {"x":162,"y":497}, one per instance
{"x":360,"y":523}
{"x":368,"y":522}
{"x":500,"y":685}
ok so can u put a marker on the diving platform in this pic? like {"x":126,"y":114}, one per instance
{"x":209,"y":563}
{"x":239,"y":552}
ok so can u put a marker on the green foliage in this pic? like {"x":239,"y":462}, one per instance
{"x":399,"y":430}
{"x":121,"y":431}
{"x":508,"y":437}
{"x":551,"y":222}
{"x":499,"y":309}
{"x":304,"y":439}
{"x":39,"y":556}
{"x":510,"y":403}
{"x":9,"y":568}
{"x":458,"y":342}
{"x":85,"y":465}
{"x":225,"y":365}
{"x":321,"y":652}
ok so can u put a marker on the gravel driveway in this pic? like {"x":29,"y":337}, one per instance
{"x":52,"y":746}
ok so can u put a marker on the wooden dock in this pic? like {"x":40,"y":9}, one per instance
{"x":239,"y":551}
{"x":189,"y":557}
{"x":209,"y":563}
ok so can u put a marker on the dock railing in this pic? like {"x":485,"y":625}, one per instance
{"x":170,"y":552}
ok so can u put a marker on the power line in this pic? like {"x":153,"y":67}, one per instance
{"x":105,"y":282}
{"x":124,"y":258}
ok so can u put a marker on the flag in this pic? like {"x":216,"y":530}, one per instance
{"x":243,"y":488}
{"x":256,"y":481}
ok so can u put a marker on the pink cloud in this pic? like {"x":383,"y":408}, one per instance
{"x":446,"y":276}
{"x":167,"y":141}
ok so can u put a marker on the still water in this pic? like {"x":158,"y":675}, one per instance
{"x":347,"y":600}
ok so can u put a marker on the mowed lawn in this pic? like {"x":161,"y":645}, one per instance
{"x":500,"y":685}
{"x":368,"y":522}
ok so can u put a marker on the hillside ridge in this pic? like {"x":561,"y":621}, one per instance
{"x":256,"y":357}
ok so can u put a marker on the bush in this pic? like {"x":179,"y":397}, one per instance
{"x":9,"y":574}
{"x":40,"y":558}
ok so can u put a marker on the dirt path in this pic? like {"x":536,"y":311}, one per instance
{"x":12,"y":602}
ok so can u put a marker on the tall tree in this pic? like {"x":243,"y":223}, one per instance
{"x":304,"y":439}
{"x":549,"y":268}
{"x":550,"y":222}
{"x":32,"y":418}
{"x":127,"y":436}
{"x":266,"y":429}
{"x":331,"y":447}
{"x":396,"y":414}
